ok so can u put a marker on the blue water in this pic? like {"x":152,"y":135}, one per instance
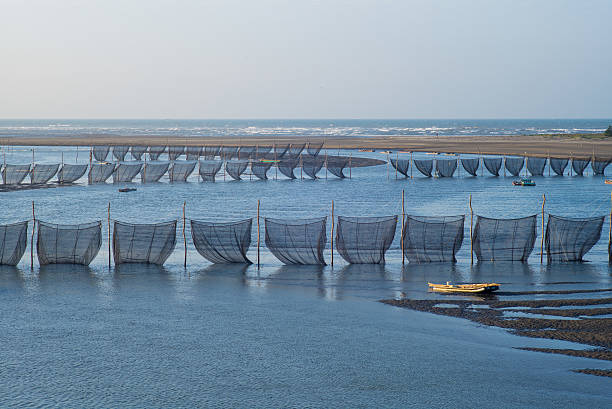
{"x":296,"y":128}
{"x":237,"y":336}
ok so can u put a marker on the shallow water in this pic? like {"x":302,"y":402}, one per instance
{"x":138,"y":336}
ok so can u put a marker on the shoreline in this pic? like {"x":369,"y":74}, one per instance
{"x":522,"y":145}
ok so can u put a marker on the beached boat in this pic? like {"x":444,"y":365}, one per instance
{"x":523,"y":182}
{"x":127,"y":189}
{"x":463,"y":288}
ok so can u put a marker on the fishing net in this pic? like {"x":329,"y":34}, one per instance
{"x":100,"y":153}
{"x":175,"y":151}
{"x":262,"y":152}
{"x":536,"y":166}
{"x":514,"y":165}
{"x":153,"y":172}
{"x":569,"y":239}
{"x":260,"y":169}
{"x":446,"y":167}
{"x":43,"y":173}
{"x":297,"y":241}
{"x":280,"y":150}
{"x":156,"y":151}
{"x":287,"y":166}
{"x":193,"y":152}
{"x":138,"y":151}
{"x":579,"y":165}
{"x":180,"y":170}
{"x":143,"y":243}
{"x":314,"y":148}
{"x":425,"y":166}
{"x":246,"y":152}
{"x":401,"y":165}
{"x":100,"y":172}
{"x":295,"y":149}
{"x":68,"y":244}
{"x":209,"y":169}
{"x":119,"y":152}
{"x":236,"y":168}
{"x":493,"y":165}
{"x":336,"y":165}
{"x":558,"y":165}
{"x":365,"y":240}
{"x":312,"y":165}
{"x":432,"y":239}
{"x":14,"y":174}
{"x":471,"y":165}
{"x":210,"y":152}
{"x":504,"y":239}
{"x":71,"y":173}
{"x":125,"y":172}
{"x":228,"y":152}
{"x":599,"y":165}
{"x":222,"y":242}
{"x":13,"y":242}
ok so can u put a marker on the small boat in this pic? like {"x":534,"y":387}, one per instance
{"x":127,"y":189}
{"x":523,"y":182}
{"x":608,"y":181}
{"x":464,"y":288}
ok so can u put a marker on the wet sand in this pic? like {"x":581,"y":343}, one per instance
{"x":532,"y":145}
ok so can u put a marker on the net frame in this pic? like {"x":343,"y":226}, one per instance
{"x":228,"y":152}
{"x":208,"y":169}
{"x":180,"y":170}
{"x":446,"y":167}
{"x":14,"y":174}
{"x":287,"y":166}
{"x":13,"y":242}
{"x":314,"y":148}
{"x":42,"y":173}
{"x":295,"y":149}
{"x":153,"y":171}
{"x":144,"y":236}
{"x":493,"y":165}
{"x":297,"y":241}
{"x":425,"y":166}
{"x":100,"y":152}
{"x":100,"y":172}
{"x":210,"y":152}
{"x":174,"y":152}
{"x":536,"y":166}
{"x":471,"y":165}
{"x":336,"y":165}
{"x":260,"y":169}
{"x":579,"y":165}
{"x":365,"y":240}
{"x":155,"y":152}
{"x":599,"y":165}
{"x":68,"y":244}
{"x":246,"y":152}
{"x":137,"y":151}
{"x":433,"y":239}
{"x":119,"y":152}
{"x":222,"y":243}
{"x":235,"y":168}
{"x":312,"y":165}
{"x":125,"y":172}
{"x":280,"y":150}
{"x":558,"y":165}
{"x":514,"y":165}
{"x":401,"y":165}
{"x":570,"y":239}
{"x":193,"y":152}
{"x":504,"y":239}
{"x":71,"y":173}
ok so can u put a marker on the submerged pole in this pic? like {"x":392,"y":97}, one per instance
{"x":258,"y":234}
{"x":332,"y":233}
{"x":32,"y":174}
{"x":388,"y":165}
{"x":402,"y":229}
{"x":471,"y":234}
{"x":109,"y":236}
{"x":90,"y":159}
{"x":184,"y":235}
{"x":351,"y":165}
{"x":542,"y":239}
{"x":32,"y":239}
{"x":396,"y":161}
{"x":410,"y":164}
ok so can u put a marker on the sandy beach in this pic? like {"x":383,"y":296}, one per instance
{"x":541,"y":146}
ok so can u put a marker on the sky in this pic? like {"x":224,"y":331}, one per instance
{"x":306,"y":59}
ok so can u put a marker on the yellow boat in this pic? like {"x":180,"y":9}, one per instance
{"x":463,"y":288}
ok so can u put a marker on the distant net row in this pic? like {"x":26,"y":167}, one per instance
{"x":358,"y":240}
{"x":493,"y":165}
{"x":310,"y":166}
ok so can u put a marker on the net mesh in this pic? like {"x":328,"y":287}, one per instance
{"x":314,"y":148}
{"x":126,"y":172}
{"x":71,"y":173}
{"x":180,"y":170}
{"x":193,"y":152}
{"x":68,"y":244}
{"x":558,"y":165}
{"x":425,"y":166}
{"x":514,"y":165}
{"x":210,"y":152}
{"x":246,"y":152}
{"x":295,"y":149}
{"x":236,"y":168}
{"x":536,"y":166}
{"x":175,"y":151}
{"x":138,"y":151}
{"x":401,"y":165}
{"x":14,"y":174}
{"x":599,"y":165}
{"x":13,"y":242}
{"x":143,"y":243}
{"x":579,"y":165}
{"x":433,"y":239}
{"x":156,"y":151}
{"x":446,"y":167}
{"x":119,"y":152}
{"x":287,"y":166}
{"x":228,"y":152}
{"x":153,"y":172}
{"x":43,"y":173}
{"x":493,"y":165}
{"x":471,"y":165}
{"x":280,"y":150}
{"x":209,"y":169}
{"x":569,"y":239}
{"x":100,"y":153}
{"x":100,"y":172}
{"x":311,"y":165}
{"x":298,"y":241}
{"x":336,"y":165}
{"x":365,"y":240}
{"x":262,"y":152}
{"x":504,"y":239}
{"x":222,"y":242}
{"x":260,"y":169}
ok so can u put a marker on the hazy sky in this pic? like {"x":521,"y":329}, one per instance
{"x":305,"y":59}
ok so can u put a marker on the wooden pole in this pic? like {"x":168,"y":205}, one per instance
{"x":109,"y":236}
{"x":184,"y":235}
{"x":90,"y":160}
{"x":396,"y":160}
{"x":32,"y":174}
{"x":610,"y":233}
{"x":471,"y":231}
{"x":32,"y":239}
{"x":258,"y":235}
{"x":549,"y":166}
{"x":542,"y":240}
{"x":332,"y":233}
{"x":351,"y":165}
{"x":410,"y":164}
{"x":402,"y":229}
